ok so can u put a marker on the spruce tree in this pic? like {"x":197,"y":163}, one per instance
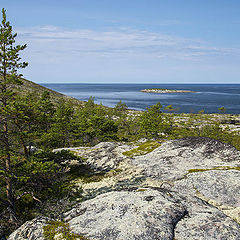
{"x":9,"y":64}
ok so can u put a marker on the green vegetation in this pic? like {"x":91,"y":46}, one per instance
{"x":60,"y":229}
{"x":222,"y":109}
{"x":143,"y":149}
{"x":10,"y":63}
{"x":141,"y":190}
{"x":153,"y":123}
{"x":215,"y":168}
{"x":34,"y":121}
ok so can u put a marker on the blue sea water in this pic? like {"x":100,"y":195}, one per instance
{"x":208,"y":97}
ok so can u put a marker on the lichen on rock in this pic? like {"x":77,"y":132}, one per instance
{"x":184,"y":189}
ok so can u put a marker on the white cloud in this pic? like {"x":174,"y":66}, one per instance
{"x":56,"y":40}
{"x":62,"y":53}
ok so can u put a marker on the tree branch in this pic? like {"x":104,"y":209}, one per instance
{"x":31,"y":193}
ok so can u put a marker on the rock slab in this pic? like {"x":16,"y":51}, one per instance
{"x":200,"y":186}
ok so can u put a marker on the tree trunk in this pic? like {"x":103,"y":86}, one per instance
{"x":9,"y":190}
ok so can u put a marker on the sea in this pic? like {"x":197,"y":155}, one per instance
{"x":207,"y":97}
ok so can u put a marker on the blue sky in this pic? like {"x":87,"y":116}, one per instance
{"x":134,"y":41}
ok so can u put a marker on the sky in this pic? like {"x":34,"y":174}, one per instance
{"x":128,"y":41}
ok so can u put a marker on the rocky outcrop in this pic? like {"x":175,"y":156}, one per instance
{"x":30,"y":230}
{"x":197,"y":166}
{"x":157,"y":90}
{"x":142,"y":215}
{"x":174,"y":159}
{"x":104,"y":156}
{"x":150,"y":214}
{"x":127,"y":215}
{"x":184,"y":189}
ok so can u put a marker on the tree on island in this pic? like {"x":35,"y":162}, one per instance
{"x":9,"y":64}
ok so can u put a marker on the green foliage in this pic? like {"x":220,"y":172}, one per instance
{"x":45,"y":110}
{"x":92,"y":124}
{"x":153,"y":123}
{"x":61,"y":229}
{"x":9,"y":77}
{"x":222,"y":109}
{"x":51,"y":140}
{"x":120,"y":110}
{"x":38,"y":177}
{"x":127,"y":122}
{"x":170,"y":108}
{"x":42,"y":177}
{"x":204,"y":125}
{"x":58,"y":157}
{"x":62,"y":123}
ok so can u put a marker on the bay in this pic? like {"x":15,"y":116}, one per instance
{"x":208,"y":97}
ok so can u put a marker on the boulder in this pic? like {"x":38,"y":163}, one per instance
{"x":30,"y":230}
{"x":150,"y":214}
{"x":126,"y":215}
{"x":185,"y":189}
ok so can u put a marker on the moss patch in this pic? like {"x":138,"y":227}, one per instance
{"x":141,"y":190}
{"x":98,"y":177}
{"x":143,"y":149}
{"x":216,"y":168}
{"x":93,"y":178}
{"x":61,"y":230}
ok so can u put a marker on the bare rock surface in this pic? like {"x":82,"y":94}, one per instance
{"x":150,"y":214}
{"x":127,"y":215}
{"x":30,"y":230}
{"x":185,"y":189}
{"x":223,"y":186}
{"x":197,"y":166}
{"x":174,"y":159}
{"x":141,"y":214}
{"x":103,"y":156}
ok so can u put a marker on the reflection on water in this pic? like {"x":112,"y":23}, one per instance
{"x":208,"y":96}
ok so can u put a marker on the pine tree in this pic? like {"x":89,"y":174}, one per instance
{"x":9,"y":64}
{"x":153,"y":123}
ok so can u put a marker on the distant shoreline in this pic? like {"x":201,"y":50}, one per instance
{"x":162,"y":90}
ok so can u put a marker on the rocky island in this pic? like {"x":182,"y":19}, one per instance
{"x":162,"y":90}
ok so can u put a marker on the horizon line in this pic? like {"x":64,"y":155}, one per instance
{"x":131,"y":83}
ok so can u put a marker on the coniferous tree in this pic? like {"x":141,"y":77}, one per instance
{"x":9,"y":64}
{"x":153,"y":123}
